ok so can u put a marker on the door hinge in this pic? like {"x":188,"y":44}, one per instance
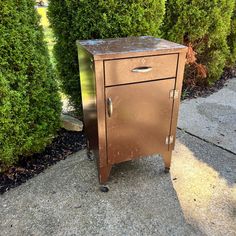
{"x":169,"y":139}
{"x":174,"y":94}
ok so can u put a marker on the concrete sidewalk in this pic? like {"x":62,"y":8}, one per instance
{"x":212,"y":118}
{"x":197,"y":198}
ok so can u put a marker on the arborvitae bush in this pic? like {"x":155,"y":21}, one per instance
{"x":29,"y":101}
{"x":204,"y":24}
{"x":75,"y":20}
{"x":232,"y":40}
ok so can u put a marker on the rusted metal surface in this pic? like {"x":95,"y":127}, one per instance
{"x":129,"y":103}
{"x":103,"y":49}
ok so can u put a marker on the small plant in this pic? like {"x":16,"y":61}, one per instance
{"x":29,"y":101}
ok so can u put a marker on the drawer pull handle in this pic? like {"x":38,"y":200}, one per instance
{"x":143,"y":69}
{"x":109,"y":107}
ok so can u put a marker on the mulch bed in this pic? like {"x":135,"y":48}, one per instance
{"x":197,"y":91}
{"x":64,"y":144}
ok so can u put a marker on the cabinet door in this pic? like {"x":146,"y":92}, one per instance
{"x":138,"y":119}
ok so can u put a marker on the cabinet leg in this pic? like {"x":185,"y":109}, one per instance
{"x":167,"y":160}
{"x":104,"y":173}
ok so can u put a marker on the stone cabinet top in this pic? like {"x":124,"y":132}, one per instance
{"x":104,"y":49}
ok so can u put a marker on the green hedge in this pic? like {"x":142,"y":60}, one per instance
{"x":73,"y":20}
{"x":232,"y":40}
{"x":206,"y":25}
{"x":29,"y":101}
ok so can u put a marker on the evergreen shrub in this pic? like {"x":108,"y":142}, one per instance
{"x":29,"y":101}
{"x":232,"y":40}
{"x":204,"y":25}
{"x":91,"y":19}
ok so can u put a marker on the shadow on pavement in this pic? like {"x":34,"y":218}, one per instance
{"x":205,"y":184}
{"x":66,"y":200}
{"x":223,"y":162}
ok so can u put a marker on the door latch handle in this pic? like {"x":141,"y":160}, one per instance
{"x":109,"y":107}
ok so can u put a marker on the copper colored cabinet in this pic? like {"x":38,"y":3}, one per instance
{"x":130,"y":92}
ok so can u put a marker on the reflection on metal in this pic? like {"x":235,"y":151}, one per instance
{"x":169,"y":139}
{"x":174,"y":94}
{"x":109,"y":107}
{"x":88,"y":91}
{"x":126,"y":87}
{"x":142,"y":69}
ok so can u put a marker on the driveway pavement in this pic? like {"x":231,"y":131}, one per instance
{"x":198,"y":197}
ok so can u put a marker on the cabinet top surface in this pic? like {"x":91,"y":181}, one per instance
{"x":105,"y":48}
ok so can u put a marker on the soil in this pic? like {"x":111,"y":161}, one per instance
{"x":64,"y":144}
{"x":197,"y":91}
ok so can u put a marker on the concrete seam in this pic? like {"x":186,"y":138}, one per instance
{"x":187,"y":132}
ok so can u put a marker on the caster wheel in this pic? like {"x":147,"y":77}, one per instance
{"x":90,"y":155}
{"x":104,"y":189}
{"x":167,"y":170}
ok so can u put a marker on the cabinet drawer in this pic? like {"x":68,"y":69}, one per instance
{"x":140,"y":69}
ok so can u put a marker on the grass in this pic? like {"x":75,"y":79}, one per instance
{"x":48,"y":34}
{"x":49,"y":38}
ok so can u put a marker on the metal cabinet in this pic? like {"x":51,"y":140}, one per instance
{"x":130,"y":93}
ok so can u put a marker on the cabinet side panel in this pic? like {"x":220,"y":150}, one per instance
{"x":178,"y":86}
{"x":88,"y":91}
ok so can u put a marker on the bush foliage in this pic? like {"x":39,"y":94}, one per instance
{"x":232,"y":40}
{"x":204,"y":25}
{"x":73,"y":20}
{"x":29,"y":101}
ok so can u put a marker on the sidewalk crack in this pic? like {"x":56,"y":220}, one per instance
{"x":207,"y":141}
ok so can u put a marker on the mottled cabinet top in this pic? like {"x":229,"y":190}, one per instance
{"x":103,"y":49}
